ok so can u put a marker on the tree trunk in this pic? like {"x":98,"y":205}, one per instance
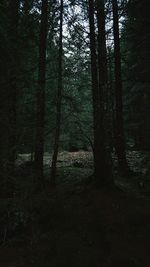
{"x":14,"y":12}
{"x":119,"y":127}
{"x":59,"y":98}
{"x":40,"y":113}
{"x":11,"y":101}
{"x":100,"y":169}
{"x":104,"y":93}
{"x":8,"y":95}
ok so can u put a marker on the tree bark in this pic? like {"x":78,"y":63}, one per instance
{"x":104,"y":93}
{"x":100,"y":162}
{"x":119,"y":127}
{"x":40,"y":113}
{"x":11,"y":101}
{"x":9,"y":97}
{"x":59,"y":98}
{"x":14,"y":14}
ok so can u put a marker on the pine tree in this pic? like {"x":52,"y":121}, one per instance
{"x":102,"y":169}
{"x":40,"y":116}
{"x":59,"y":97}
{"x":119,"y":121}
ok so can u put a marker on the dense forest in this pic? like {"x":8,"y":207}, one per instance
{"x":75,"y":133}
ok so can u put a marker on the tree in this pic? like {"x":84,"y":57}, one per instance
{"x":119,"y":122}
{"x":136,"y":40}
{"x":10,"y":89}
{"x":59,"y":97}
{"x":40,"y":113}
{"x":101,"y":172}
{"x":103,"y":91}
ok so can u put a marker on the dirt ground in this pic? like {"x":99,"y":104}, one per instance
{"x":77,"y":225}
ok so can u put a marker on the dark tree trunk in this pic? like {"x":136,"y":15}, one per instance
{"x":59,"y":98}
{"x":8,"y":96}
{"x":104,"y":93}
{"x":100,"y":169}
{"x":112,"y":104}
{"x":40,"y":115}
{"x":119,"y":127}
{"x":3,"y":98}
{"x":12,"y":86}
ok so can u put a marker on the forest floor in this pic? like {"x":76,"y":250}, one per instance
{"x":76,"y":224}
